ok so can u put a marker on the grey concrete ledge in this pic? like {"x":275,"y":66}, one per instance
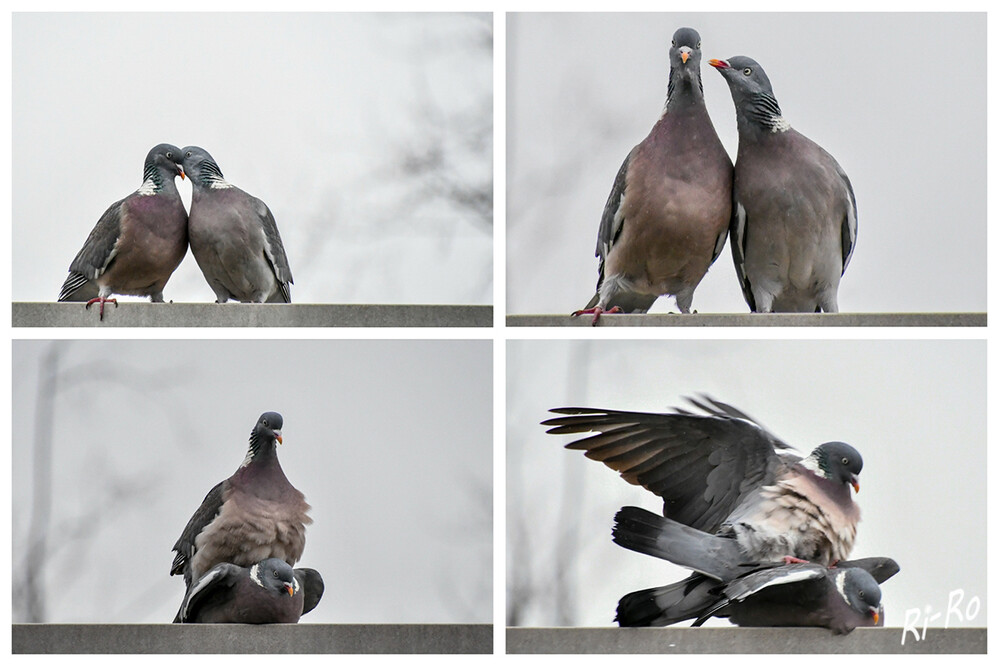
{"x":740,"y":640}
{"x":139,"y":314}
{"x":249,"y":638}
{"x":762,"y":320}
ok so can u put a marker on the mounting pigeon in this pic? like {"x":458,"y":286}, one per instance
{"x":253,"y":515}
{"x":721,"y":472}
{"x":234,"y":237}
{"x":267,"y":592}
{"x":717,"y":562}
{"x":795,"y":220}
{"x":138,"y":242}
{"x":668,"y":213}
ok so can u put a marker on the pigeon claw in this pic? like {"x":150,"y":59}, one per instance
{"x":791,"y":559}
{"x":596,"y":312}
{"x":102,"y":301}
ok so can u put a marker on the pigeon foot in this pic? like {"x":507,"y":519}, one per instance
{"x":102,"y":301}
{"x":790,"y":559}
{"x":596,"y":312}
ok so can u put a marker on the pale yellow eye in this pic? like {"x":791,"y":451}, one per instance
{"x":747,"y":71}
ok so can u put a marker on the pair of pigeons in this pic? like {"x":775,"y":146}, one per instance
{"x":237,"y":551}
{"x":788,"y":204}
{"x":766,"y":533}
{"x":139,"y":241}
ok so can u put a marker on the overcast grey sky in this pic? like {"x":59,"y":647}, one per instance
{"x":391,"y":442}
{"x":315,"y":114}
{"x":916,"y":410}
{"x":898,"y":99}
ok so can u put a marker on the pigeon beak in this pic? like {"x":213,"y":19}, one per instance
{"x":875,"y":615}
{"x":277,"y":436}
{"x":181,"y":171}
{"x":855,"y":482}
{"x":291,"y":592}
{"x":720,"y":64}
{"x":684,"y":54}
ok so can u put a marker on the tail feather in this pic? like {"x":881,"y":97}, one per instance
{"x":647,"y":533}
{"x":663,"y":606}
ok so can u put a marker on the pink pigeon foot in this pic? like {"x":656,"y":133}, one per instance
{"x":596,"y":312}
{"x":102,"y":301}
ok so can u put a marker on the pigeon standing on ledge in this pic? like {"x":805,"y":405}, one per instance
{"x":138,"y":242}
{"x":253,"y":515}
{"x":795,"y":222}
{"x":721,"y":472}
{"x":234,"y":237}
{"x":668,"y":213}
{"x":268,"y":592}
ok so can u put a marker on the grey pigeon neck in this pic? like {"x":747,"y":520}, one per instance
{"x":760,"y":115}
{"x":258,"y":451}
{"x":682,"y":91}
{"x":210,"y":176}
{"x":155,"y":180}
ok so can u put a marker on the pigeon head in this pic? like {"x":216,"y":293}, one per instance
{"x":277,"y":576}
{"x":860,"y":591}
{"x":755,"y":104}
{"x":685,"y":49}
{"x":685,"y":60}
{"x":264,"y":434}
{"x":201,"y":168}
{"x":163,"y":164}
{"x":836,"y":461}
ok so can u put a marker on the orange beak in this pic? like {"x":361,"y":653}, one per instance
{"x":720,"y":64}
{"x":181,"y":172}
{"x":855,"y":482}
{"x":684,"y":56}
{"x":278,"y":437}
{"x":876,"y":617}
{"x":291,"y":592}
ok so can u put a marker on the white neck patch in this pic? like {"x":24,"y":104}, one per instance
{"x":255,"y":574}
{"x":811,"y":463}
{"x":220,"y":184}
{"x":841,"y":586}
{"x":779,"y":125}
{"x":147,"y":188}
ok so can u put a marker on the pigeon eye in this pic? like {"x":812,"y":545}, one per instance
{"x":698,"y":45}
{"x":747,"y":71}
{"x":169,"y":155}
{"x":846,"y":461}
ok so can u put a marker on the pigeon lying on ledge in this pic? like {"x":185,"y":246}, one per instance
{"x":668,"y":213}
{"x":234,"y":237}
{"x":721,"y":472}
{"x":254,"y":515}
{"x":138,"y":242}
{"x":725,"y":583}
{"x":268,"y":592}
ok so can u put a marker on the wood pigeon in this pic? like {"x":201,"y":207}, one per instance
{"x":668,"y":213}
{"x":721,"y":472}
{"x":234,"y":237}
{"x":802,"y":595}
{"x":267,"y":592}
{"x":138,"y":242}
{"x":794,"y":223}
{"x":721,"y":570}
{"x":254,"y":515}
